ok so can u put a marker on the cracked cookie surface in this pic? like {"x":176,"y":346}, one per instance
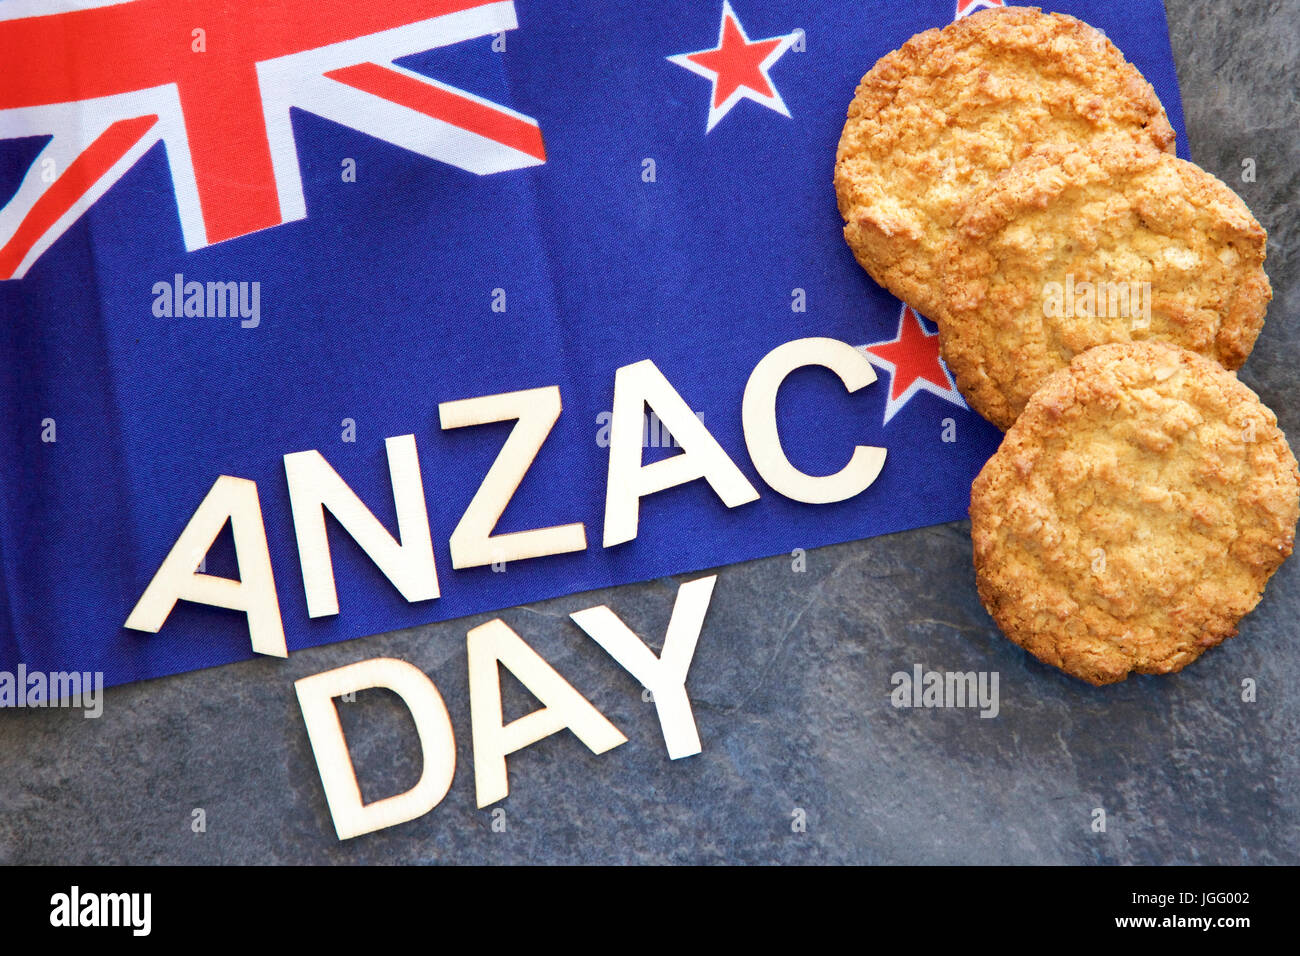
{"x":1134,"y":512}
{"x":942,"y":116}
{"x":1078,"y":246}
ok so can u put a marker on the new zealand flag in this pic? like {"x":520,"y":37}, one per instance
{"x":256,"y":255}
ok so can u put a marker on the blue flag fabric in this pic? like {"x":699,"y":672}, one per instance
{"x":665,"y":223}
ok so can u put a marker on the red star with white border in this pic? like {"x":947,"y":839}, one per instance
{"x":738,"y":68}
{"x":912,"y":360}
{"x":970,"y":6}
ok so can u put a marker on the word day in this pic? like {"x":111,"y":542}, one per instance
{"x":492,"y":646}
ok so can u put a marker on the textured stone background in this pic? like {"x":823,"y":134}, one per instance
{"x":790,"y":682}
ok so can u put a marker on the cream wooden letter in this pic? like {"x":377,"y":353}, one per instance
{"x":315,"y":486}
{"x":437,"y":743}
{"x":495,"y":643}
{"x":535,"y":411}
{"x":635,"y":387}
{"x":758,"y":412}
{"x":664,"y":676}
{"x":234,"y":500}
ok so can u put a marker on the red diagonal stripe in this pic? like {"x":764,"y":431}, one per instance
{"x":231,"y":154}
{"x":445,"y":105}
{"x":100,"y":51}
{"x":82,"y":173}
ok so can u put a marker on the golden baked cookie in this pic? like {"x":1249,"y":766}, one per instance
{"x":1081,"y":245}
{"x":940,"y":117}
{"x":1133,"y":513}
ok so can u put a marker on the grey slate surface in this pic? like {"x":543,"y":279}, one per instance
{"x":790,"y":682}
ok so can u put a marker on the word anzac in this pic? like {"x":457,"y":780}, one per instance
{"x":407,"y":559}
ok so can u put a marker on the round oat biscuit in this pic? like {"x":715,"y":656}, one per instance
{"x":940,"y":117}
{"x":1134,"y":512}
{"x":1077,"y":246}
